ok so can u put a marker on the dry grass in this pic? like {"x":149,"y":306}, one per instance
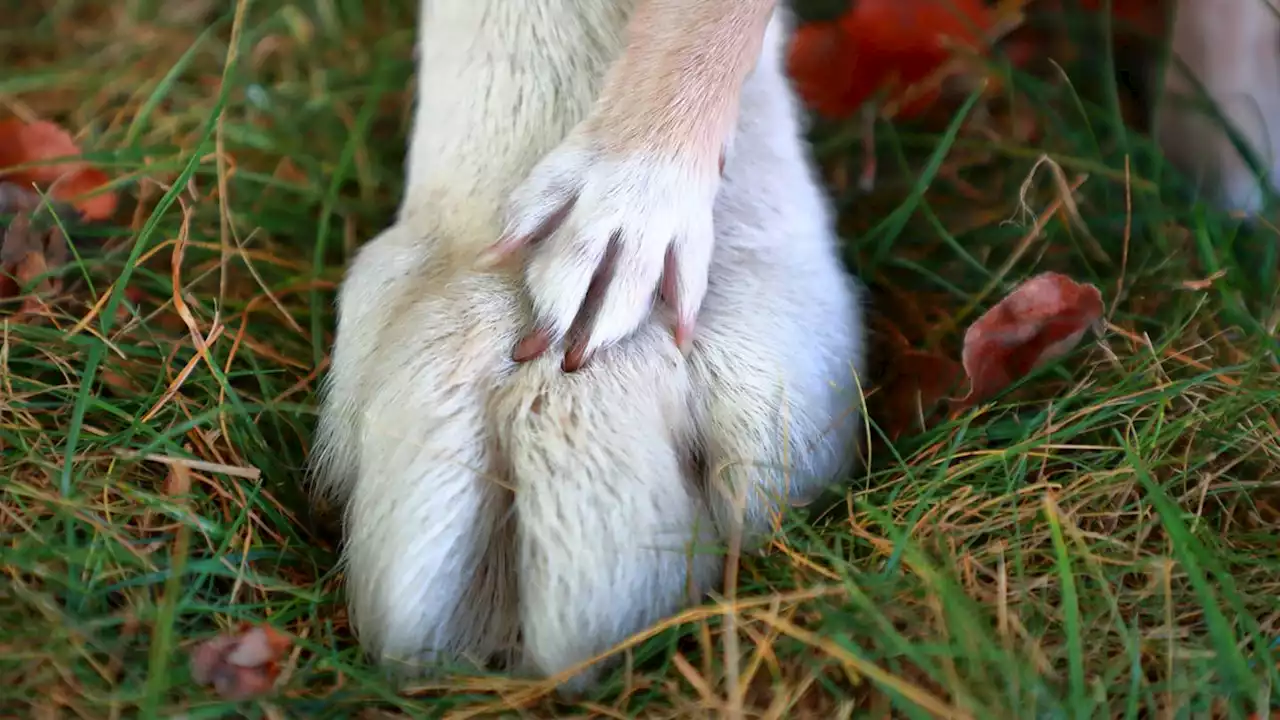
{"x":1099,"y":543}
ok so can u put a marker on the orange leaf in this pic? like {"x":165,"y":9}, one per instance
{"x":879,"y":45}
{"x":242,"y":665}
{"x":65,"y":175}
{"x":1042,"y":319}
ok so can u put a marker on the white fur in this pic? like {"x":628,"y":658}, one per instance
{"x":519,"y":513}
{"x":644,"y":204}
{"x":1232,"y":49}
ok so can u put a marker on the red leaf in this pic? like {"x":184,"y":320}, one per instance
{"x":881,"y":44}
{"x":69,"y":178}
{"x":1044,"y":318}
{"x":242,"y":665}
{"x":913,"y":389}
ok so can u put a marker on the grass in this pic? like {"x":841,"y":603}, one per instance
{"x":1099,"y":542}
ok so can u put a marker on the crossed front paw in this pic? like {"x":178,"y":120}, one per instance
{"x":606,"y":229}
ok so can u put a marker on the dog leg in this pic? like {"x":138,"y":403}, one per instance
{"x":405,"y":447}
{"x":627,"y":197}
{"x":613,"y":532}
{"x":776,"y":363}
{"x":1231,"y":49}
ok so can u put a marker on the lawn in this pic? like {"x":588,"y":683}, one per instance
{"x":1100,"y":541}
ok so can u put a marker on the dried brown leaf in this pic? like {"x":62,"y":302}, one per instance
{"x":242,"y":665}
{"x":31,"y":244}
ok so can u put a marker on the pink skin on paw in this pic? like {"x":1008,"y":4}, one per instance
{"x":669,"y":293}
{"x":532,"y":346}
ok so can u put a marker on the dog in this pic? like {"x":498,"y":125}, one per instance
{"x":1228,"y":53}
{"x":608,"y":335}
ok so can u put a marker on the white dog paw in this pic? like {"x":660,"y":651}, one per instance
{"x":605,"y":230}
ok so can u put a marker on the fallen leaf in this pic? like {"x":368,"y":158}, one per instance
{"x":882,"y":45}
{"x":912,"y":391}
{"x":65,"y":175}
{"x":31,"y":244}
{"x":1042,"y":319}
{"x":241,"y":665}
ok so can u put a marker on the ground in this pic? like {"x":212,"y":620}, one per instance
{"x":1098,"y":542}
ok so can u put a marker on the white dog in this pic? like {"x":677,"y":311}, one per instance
{"x":572,"y":161}
{"x":523,"y":513}
{"x":1230,"y":50}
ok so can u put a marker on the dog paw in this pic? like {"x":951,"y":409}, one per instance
{"x":605,"y":230}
